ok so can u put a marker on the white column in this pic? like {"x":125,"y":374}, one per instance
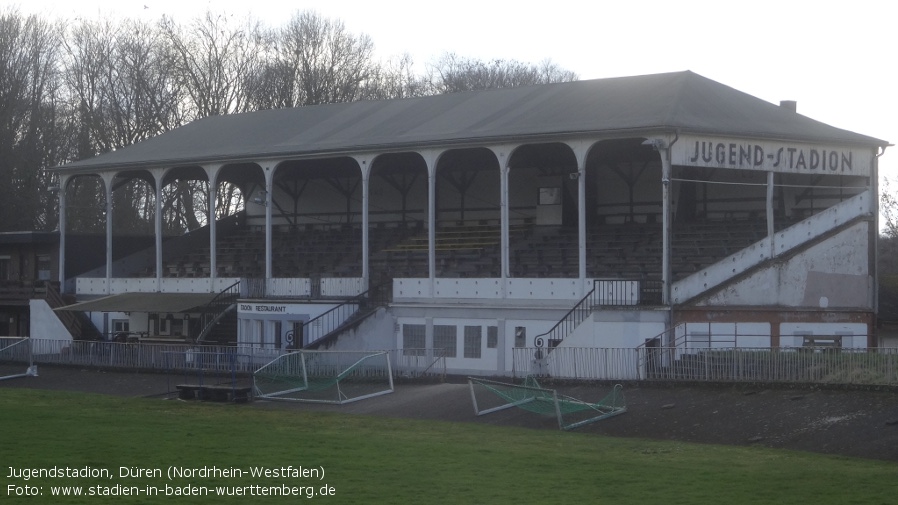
{"x":770,"y":224}
{"x":366,"y":275}
{"x":63,"y":182}
{"x":504,"y":217}
{"x":158,"y":176}
{"x":107,"y":180}
{"x":212,"y":175}
{"x":430,"y":158}
{"x":431,"y":226}
{"x":581,"y":218}
{"x":269,"y":186}
{"x":365,"y":168}
{"x":661,"y":146}
{"x":503,"y":155}
{"x":581,"y":150}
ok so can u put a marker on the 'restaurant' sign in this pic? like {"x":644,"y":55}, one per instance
{"x":771,"y":156}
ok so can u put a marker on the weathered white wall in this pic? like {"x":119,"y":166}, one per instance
{"x":374,"y":334}
{"x":617,"y":329}
{"x":831,"y":274}
{"x":45,"y":324}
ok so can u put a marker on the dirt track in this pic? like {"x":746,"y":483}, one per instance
{"x":845,"y":422}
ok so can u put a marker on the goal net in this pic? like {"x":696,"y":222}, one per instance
{"x":15,"y":355}
{"x":325,"y":376}
{"x":492,"y":396}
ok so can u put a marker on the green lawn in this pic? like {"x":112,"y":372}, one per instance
{"x":378,"y":460}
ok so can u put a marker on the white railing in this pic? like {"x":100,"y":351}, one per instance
{"x":299,"y":287}
{"x":119,"y":285}
{"x":816,"y":365}
{"x":810,"y":365}
{"x":488,"y":288}
{"x":406,"y":363}
{"x":415,"y":363}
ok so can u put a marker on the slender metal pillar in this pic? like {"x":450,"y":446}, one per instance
{"x":63,"y":182}
{"x":107,"y":180}
{"x":770,"y":223}
{"x":158,"y":177}
{"x":661,"y":146}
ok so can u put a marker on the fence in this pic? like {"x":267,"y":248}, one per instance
{"x":416,"y":363}
{"x":814,"y":365}
{"x":187,"y":358}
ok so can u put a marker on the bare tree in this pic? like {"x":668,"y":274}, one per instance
{"x":395,"y":79}
{"x":452,"y":73}
{"x":328,"y":64}
{"x":211,"y":59}
{"x":122,"y":91}
{"x":888,"y":207}
{"x":30,"y":123}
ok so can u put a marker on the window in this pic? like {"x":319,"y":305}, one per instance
{"x":473,"y":337}
{"x":444,"y":337}
{"x":700,"y":339}
{"x":413,"y":340}
{"x":4,"y":268}
{"x":492,"y":337}
{"x":120,"y":329}
{"x":260,"y":332}
{"x":520,"y":336}
{"x":43,"y":267}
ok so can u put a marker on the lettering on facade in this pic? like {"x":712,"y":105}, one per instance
{"x":771,"y":156}
{"x":739,"y":155}
{"x":246,"y":307}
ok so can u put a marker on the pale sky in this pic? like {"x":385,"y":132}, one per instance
{"x":837,"y":59}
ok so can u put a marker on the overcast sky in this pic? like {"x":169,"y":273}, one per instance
{"x":837,"y":59}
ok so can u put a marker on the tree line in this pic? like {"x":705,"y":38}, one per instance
{"x":73,"y":89}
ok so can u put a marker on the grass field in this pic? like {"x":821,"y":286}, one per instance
{"x":380,"y":460}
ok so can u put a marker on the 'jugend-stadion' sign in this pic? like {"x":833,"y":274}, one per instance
{"x":770,"y":156}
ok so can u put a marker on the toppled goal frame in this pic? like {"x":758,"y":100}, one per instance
{"x":335,"y":377}
{"x":532,"y":397}
{"x":17,"y":349}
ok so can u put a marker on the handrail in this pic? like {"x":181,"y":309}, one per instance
{"x":617,"y":295}
{"x":337,"y":316}
{"x":217,"y":306}
{"x":567,"y":323}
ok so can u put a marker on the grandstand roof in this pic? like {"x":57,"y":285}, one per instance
{"x":681,"y":101}
{"x":139,"y":302}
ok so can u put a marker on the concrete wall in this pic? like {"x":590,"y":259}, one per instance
{"x":45,"y":324}
{"x":831,"y":274}
{"x":618,"y":329}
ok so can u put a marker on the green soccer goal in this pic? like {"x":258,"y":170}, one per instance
{"x":492,"y":396}
{"x":325,"y":376}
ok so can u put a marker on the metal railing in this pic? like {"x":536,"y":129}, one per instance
{"x":810,"y":365}
{"x":320,"y":327}
{"x":217,"y":307}
{"x":419,"y":362}
{"x":186,"y":358}
{"x":604,"y":292}
{"x":568,"y":323}
{"x":798,"y":365}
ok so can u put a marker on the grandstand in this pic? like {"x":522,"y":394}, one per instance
{"x":475,"y":223}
